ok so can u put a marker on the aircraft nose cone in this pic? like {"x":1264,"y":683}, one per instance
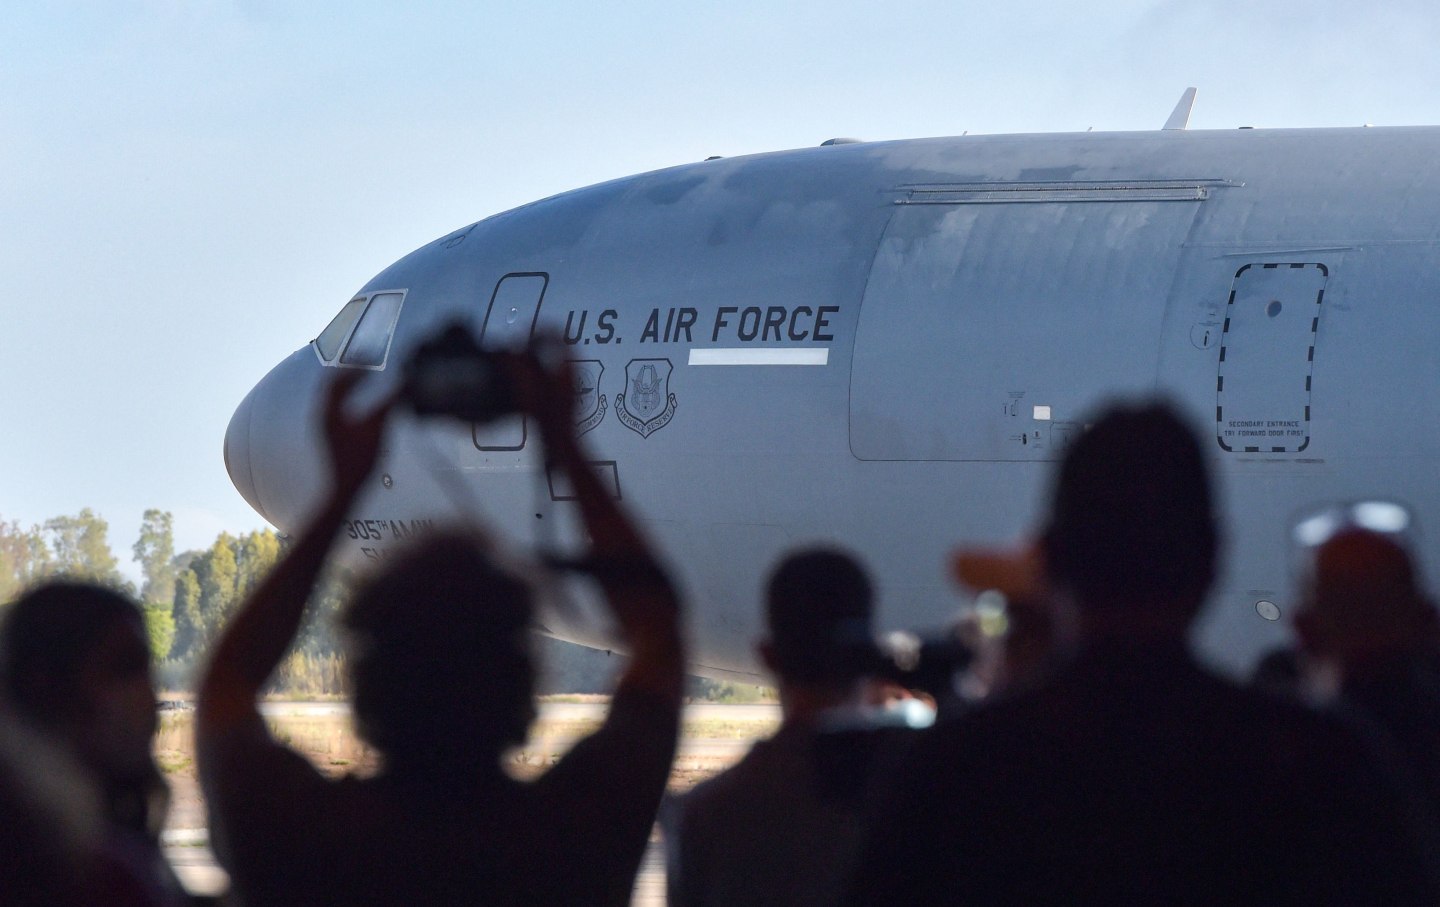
{"x":237,"y":453}
{"x":274,"y":446}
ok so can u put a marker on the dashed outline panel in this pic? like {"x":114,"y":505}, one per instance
{"x":1309,"y":361}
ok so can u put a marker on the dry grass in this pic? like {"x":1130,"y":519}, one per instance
{"x":329,"y":742}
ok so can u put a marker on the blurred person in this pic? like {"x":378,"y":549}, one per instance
{"x":1029,"y":647}
{"x":1367,"y":624}
{"x":75,"y":666}
{"x":773,"y":829}
{"x":1035,"y":635}
{"x":442,"y":676}
{"x":1130,"y":774}
{"x":50,"y":828}
{"x":1281,"y":670}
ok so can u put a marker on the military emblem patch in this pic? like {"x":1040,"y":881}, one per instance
{"x":647,"y":404}
{"x":590,"y":404}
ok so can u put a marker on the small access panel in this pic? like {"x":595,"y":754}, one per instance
{"x":1267,"y":356}
{"x":509,"y":323}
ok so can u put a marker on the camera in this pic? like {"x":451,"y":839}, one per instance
{"x":451,"y":375}
{"x":928,"y":663}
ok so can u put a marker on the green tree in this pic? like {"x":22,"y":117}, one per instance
{"x":216,"y":571}
{"x":320,"y":632}
{"x":160,"y":628}
{"x":155,"y":550}
{"x":189,"y":624}
{"x":24,"y":558}
{"x":82,"y":548}
{"x":255,"y":556}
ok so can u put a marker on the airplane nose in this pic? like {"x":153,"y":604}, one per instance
{"x":274,"y":450}
{"x":237,"y":453}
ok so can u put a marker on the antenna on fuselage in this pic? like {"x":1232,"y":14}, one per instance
{"x":1180,"y":116}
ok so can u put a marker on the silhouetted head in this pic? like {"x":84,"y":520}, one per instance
{"x":818,"y":605}
{"x":441,"y":661}
{"x":1362,"y":598}
{"x":1132,"y":523}
{"x":75,"y":663}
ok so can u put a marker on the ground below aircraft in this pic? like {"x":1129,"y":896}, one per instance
{"x":888,"y":345}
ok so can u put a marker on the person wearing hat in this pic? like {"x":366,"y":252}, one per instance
{"x":1131,"y":774}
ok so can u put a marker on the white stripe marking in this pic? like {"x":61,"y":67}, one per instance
{"x":761,"y":355}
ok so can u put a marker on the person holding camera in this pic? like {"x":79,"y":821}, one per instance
{"x":782,"y":826}
{"x":442,"y":679}
{"x":1129,"y":773}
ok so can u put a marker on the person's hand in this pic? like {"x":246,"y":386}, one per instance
{"x":353,"y":442}
{"x":545,"y":387}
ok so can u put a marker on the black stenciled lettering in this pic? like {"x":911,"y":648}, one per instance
{"x":749,"y":327}
{"x":606,"y":323}
{"x":721,"y":321}
{"x":651,"y":333}
{"x":373,"y":528}
{"x":350,"y":529}
{"x":794,"y":316}
{"x":684,"y":322}
{"x":821,"y":323}
{"x":669,"y":325}
{"x":774,"y":319}
{"x":573,"y":337}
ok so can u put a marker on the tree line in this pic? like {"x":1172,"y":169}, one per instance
{"x":186,"y":596}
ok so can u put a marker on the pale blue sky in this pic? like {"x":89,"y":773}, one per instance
{"x":190,"y":190}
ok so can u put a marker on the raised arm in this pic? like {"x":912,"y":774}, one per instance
{"x":603,"y":794}
{"x":637,"y":590}
{"x":253,"y":643}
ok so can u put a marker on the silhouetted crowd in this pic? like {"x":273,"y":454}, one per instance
{"x":1083,"y":756}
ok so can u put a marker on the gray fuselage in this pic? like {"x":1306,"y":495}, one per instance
{"x":886,"y":345}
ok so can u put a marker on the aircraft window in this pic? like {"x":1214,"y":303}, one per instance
{"x":328,"y":343}
{"x":371,"y":339}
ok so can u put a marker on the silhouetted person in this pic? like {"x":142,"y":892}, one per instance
{"x":442,"y":686}
{"x":75,"y":666}
{"x":50,"y":828}
{"x":1366,"y":619}
{"x":1035,"y":636}
{"x":1280,"y":671}
{"x":768,"y":830}
{"x":1132,"y":775}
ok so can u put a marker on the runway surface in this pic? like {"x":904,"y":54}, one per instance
{"x":717,"y":736}
{"x":551,"y":711}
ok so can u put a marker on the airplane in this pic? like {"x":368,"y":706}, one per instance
{"x":888,"y":345}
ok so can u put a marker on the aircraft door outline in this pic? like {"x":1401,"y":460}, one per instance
{"x":510,"y":324}
{"x":1262,"y":387}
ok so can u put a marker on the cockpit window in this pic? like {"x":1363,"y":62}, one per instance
{"x":371,"y":339}
{"x":328,"y":343}
{"x":362,"y":331}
